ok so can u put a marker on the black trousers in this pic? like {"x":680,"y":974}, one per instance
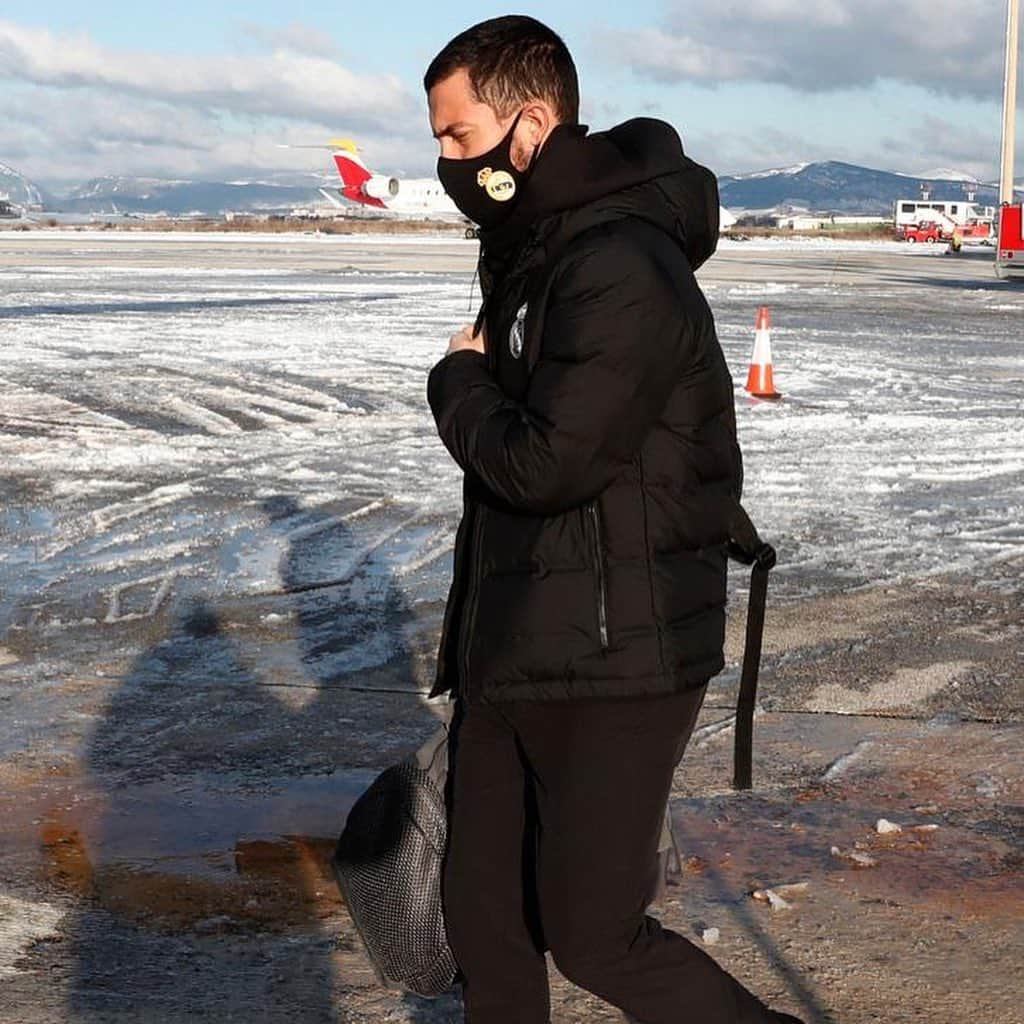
{"x":555,"y":812}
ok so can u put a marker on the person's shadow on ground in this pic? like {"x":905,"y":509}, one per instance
{"x":212,"y":741}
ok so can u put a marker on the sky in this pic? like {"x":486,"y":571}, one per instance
{"x":211,"y":91}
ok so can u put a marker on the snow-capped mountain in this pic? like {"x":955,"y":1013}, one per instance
{"x":772,"y":172}
{"x":947,"y":174}
{"x":20,"y":190}
{"x":832,"y":186}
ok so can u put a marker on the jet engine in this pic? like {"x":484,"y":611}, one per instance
{"x":381,"y":187}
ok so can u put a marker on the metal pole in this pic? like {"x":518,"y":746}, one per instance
{"x":1010,"y":100}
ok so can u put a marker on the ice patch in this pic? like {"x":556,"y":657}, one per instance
{"x":22,"y":925}
{"x":766,"y":289}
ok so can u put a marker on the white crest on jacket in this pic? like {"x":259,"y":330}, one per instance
{"x":515,"y":335}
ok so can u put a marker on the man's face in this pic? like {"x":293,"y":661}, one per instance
{"x":465,"y":127}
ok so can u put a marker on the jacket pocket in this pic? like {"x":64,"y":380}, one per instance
{"x":593,"y":514}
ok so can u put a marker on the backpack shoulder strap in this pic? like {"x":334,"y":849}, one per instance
{"x":746,"y":546}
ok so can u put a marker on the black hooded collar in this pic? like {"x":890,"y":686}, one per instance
{"x":637,"y":168}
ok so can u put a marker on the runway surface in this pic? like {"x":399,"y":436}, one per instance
{"x":226,"y":526}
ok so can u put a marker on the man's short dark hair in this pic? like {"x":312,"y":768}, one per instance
{"x":510,"y":61}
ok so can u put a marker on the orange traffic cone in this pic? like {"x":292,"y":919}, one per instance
{"x":760,"y":381}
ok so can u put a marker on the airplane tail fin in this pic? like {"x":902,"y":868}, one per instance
{"x":354,"y":172}
{"x":351,"y":168}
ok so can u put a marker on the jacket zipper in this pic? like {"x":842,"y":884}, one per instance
{"x":602,"y":594}
{"x":468,"y":622}
{"x":469,"y":612}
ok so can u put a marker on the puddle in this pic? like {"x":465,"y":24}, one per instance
{"x":200,"y":855}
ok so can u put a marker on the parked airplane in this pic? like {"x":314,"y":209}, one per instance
{"x":409,"y":197}
{"x":423,"y":197}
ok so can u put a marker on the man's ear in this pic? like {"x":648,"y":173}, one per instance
{"x":536,"y":122}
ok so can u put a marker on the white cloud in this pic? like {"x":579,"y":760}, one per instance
{"x":665,"y":57}
{"x":74,"y":109}
{"x":943,"y":45}
{"x":959,"y":148}
{"x":283,"y":83}
{"x":296,"y":36}
{"x":56,"y":140}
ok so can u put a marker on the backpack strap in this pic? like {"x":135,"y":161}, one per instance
{"x":746,"y":546}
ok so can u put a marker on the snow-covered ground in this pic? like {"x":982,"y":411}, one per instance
{"x":811,"y":243}
{"x":222,"y":498}
{"x":213,"y":429}
{"x":897,"y":450}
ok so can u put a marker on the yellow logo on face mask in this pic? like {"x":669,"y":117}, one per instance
{"x":501,"y":186}
{"x":483,"y":176}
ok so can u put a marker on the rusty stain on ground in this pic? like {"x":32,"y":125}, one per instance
{"x":758,"y":844}
{"x":176,"y":856}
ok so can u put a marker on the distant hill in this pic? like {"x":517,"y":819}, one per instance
{"x":178,"y":198}
{"x":825,"y":187}
{"x":835,"y":187}
{"x":22,"y":192}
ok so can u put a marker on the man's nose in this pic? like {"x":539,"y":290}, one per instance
{"x":450,"y":149}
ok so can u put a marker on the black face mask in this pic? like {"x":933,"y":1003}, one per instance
{"x":486,"y":188}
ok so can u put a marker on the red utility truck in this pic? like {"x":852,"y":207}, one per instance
{"x":1010,"y":246}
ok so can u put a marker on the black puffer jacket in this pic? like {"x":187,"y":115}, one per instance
{"x":597,"y":434}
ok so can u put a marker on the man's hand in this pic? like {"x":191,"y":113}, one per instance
{"x":466,"y":339}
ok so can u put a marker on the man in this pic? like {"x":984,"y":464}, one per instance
{"x":592,"y":412}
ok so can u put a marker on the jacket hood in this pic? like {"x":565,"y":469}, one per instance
{"x":637,"y":168}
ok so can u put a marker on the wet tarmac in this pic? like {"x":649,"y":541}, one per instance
{"x":217,"y":624}
{"x":223,"y":876}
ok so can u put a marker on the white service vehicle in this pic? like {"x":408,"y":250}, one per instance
{"x":909,"y":212}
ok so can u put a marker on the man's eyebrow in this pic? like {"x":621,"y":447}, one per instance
{"x":451,"y":128}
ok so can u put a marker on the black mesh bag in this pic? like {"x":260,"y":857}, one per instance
{"x":388,"y":867}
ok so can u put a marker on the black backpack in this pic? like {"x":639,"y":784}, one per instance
{"x":388,"y":866}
